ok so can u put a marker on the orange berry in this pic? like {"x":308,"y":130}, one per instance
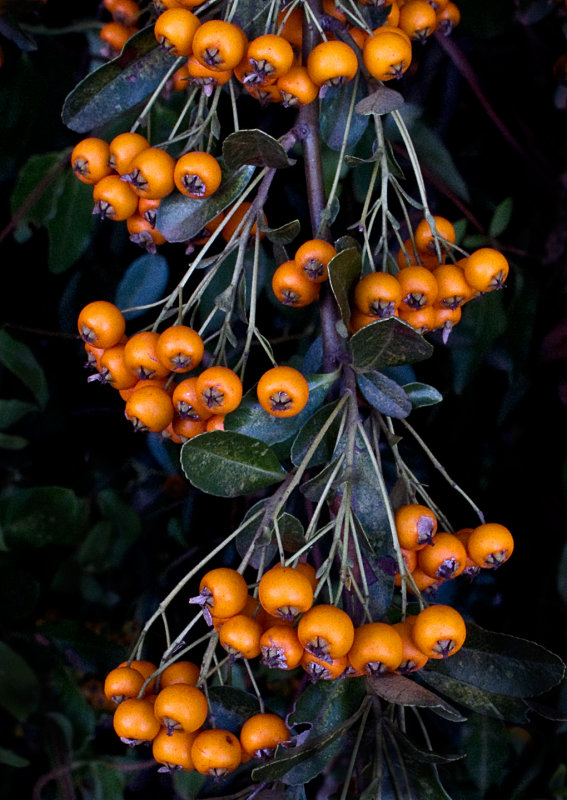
{"x":439,"y":631}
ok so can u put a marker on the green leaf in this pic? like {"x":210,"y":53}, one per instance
{"x":254,"y":147}
{"x":11,"y":759}
{"x":307,"y":434}
{"x":229,"y":464}
{"x":334,"y":110}
{"x":478,"y":700}
{"x":384,"y":394}
{"x":502,"y":664}
{"x":314,"y":487}
{"x":488,"y":751}
{"x":19,"y":359}
{"x":230,"y":707}
{"x":144,"y":282}
{"x":382,"y":101}
{"x":421,"y":394}
{"x":9,"y":442}
{"x":252,"y":420}
{"x":402,"y":691}
{"x":501,"y":218}
{"x":283,"y":235}
{"x":344,"y":271}
{"x":181,"y":218}
{"x":71,"y":226}
{"x":388,"y":343}
{"x":118,"y":85}
{"x":39,"y":188}
{"x":82,"y":649}
{"x":19,"y":686}
{"x":42,"y":516}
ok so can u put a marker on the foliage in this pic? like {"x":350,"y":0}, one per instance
{"x":105,"y":533}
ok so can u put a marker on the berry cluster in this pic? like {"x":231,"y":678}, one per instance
{"x":287,"y":629}
{"x":427,"y":292}
{"x":144,"y":369}
{"x":432,"y":557}
{"x":165,"y":707}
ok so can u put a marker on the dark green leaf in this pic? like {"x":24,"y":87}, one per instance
{"x":11,"y":759}
{"x":229,"y":708}
{"x":314,"y":487}
{"x":283,"y":235}
{"x":118,"y":85}
{"x":71,"y":227}
{"x":144,"y":282}
{"x":19,"y":359}
{"x":334,"y":111}
{"x":419,"y":754}
{"x":384,"y":394}
{"x":488,"y":751}
{"x":252,"y":420}
{"x":501,"y":218}
{"x":41,"y":516}
{"x":307,"y":434}
{"x":330,"y":708}
{"x":182,"y":218}
{"x":253,"y":147}
{"x":11,"y":30}
{"x":502,"y":664}
{"x":478,"y":700}
{"x":344,"y":271}
{"x":39,"y":188}
{"x":388,"y":343}
{"x":421,"y":394}
{"x":402,"y":691}
{"x":82,"y":649}
{"x":229,"y":464}
{"x":382,"y":101}
{"x":9,"y":442}
{"x":19,"y":686}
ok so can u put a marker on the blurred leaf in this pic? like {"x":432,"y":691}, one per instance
{"x":11,"y":759}
{"x":71,"y":226}
{"x":19,"y":359}
{"x":77,"y":710}
{"x":388,"y":343}
{"x":399,"y":690}
{"x":9,"y":442}
{"x":181,"y":218}
{"x":501,"y":218}
{"x":118,"y":85}
{"x":40,"y":516}
{"x":80,"y":647}
{"x":38,"y":189}
{"x":11,"y":30}
{"x":12,"y":411}
{"x":229,"y":464}
{"x":502,"y":664}
{"x":253,"y":147}
{"x":19,"y":686}
{"x":384,"y":394}
{"x":143,"y":283}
